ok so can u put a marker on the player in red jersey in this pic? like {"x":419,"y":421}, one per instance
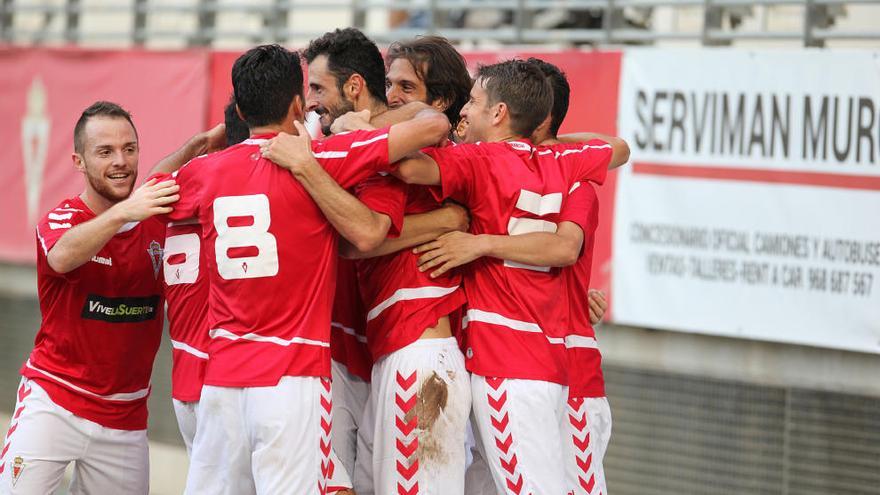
{"x":515,"y":333}
{"x":186,"y":297}
{"x":271,"y":261}
{"x":402,"y":307}
{"x":84,"y":392}
{"x":588,"y":408}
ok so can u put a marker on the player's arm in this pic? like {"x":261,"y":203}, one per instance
{"x":619,"y":148}
{"x":561,"y":248}
{"x":357,"y":121}
{"x":417,"y":229}
{"x":203,"y":142}
{"x":428,"y":128}
{"x":362,"y":227}
{"x":79,"y":244}
{"x":418,"y":168}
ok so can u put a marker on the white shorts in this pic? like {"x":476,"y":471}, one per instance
{"x":519,"y":428}
{"x":588,"y":430}
{"x":43,"y":438}
{"x":420,"y":399}
{"x":350,"y":396}
{"x":186,"y":420}
{"x":264,"y":440}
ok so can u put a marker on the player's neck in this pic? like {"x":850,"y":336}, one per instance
{"x":375,"y":106}
{"x":97,"y":203}
{"x":273,"y":129}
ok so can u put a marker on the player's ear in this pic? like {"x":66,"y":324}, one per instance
{"x":499,"y":112}
{"x":78,"y":162}
{"x":297,"y":111}
{"x":353,"y":87}
{"x":441,"y":104}
{"x":238,"y":112}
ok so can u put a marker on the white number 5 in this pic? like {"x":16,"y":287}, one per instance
{"x":538,"y":205}
{"x":262,"y":264}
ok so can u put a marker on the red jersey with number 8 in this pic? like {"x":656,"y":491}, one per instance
{"x":271,"y":256}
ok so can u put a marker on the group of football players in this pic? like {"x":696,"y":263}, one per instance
{"x":429,"y":257}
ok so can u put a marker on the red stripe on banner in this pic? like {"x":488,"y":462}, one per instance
{"x":818,"y":179}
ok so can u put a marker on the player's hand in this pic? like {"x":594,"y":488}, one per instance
{"x":459,"y":216}
{"x":352,"y":121}
{"x":152,"y":198}
{"x":598,"y":305}
{"x":214,"y":139}
{"x":291,"y":152}
{"x":449,"y":251}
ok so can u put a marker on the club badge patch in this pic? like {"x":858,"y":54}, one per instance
{"x":18,"y":466}
{"x":155,"y":253}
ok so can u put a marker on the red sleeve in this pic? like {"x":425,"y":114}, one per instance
{"x":585,"y":161}
{"x":55,"y":224}
{"x":460,"y":168}
{"x":581,"y":207}
{"x":188,"y":178}
{"x":386,"y":195}
{"x":353,"y":156}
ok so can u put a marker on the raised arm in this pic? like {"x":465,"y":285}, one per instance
{"x":428,"y":128}
{"x":204,"y":142}
{"x":418,"y":168}
{"x":417,"y":229}
{"x":79,"y":244}
{"x":356,"y":121}
{"x":544,"y":249}
{"x":359,"y":225}
{"x":620,"y":150}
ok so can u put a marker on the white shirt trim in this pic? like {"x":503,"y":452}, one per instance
{"x":220,"y":333}
{"x":124,"y":396}
{"x":430,"y":292}
{"x":349,"y":331}
{"x":501,"y":320}
{"x":180,"y":346}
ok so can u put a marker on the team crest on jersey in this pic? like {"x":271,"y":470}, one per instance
{"x":17,"y":467}
{"x":155,"y":253}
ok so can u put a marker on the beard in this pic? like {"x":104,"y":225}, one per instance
{"x":108,"y":190}
{"x":330,"y":114}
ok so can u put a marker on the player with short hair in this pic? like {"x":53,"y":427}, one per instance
{"x":407,"y":326}
{"x":267,"y":381}
{"x":515,"y":339}
{"x":83,"y":395}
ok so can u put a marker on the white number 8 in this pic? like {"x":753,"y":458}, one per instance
{"x":265,"y":262}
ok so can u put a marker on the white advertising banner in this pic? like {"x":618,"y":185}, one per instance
{"x":751,"y":206}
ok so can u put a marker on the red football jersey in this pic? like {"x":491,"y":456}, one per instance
{"x":515,"y":325}
{"x":186,"y":293}
{"x":102,"y":322}
{"x":271,"y":256}
{"x":348,"y":339}
{"x":401,"y":301}
{"x":585,"y":360}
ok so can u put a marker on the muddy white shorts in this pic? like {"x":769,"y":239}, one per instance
{"x":518,"y":424}
{"x":419,"y":405}
{"x":43,"y":438}
{"x":264,"y":440}
{"x":587,"y":431}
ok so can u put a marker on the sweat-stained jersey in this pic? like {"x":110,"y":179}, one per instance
{"x":102,"y":322}
{"x":271,"y":256}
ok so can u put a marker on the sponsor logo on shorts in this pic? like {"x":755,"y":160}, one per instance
{"x":120,"y":309}
{"x":18,"y":466}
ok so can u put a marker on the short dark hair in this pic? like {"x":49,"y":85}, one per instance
{"x":440,"y":67}
{"x":236,"y":129}
{"x":265,"y":80}
{"x":523,"y":88}
{"x":350,"y":52}
{"x":561,"y":92}
{"x":98,"y":109}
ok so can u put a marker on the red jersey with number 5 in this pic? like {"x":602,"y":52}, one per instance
{"x":516,"y":327}
{"x":271,"y":256}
